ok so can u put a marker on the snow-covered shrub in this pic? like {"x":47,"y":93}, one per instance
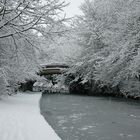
{"x":2,"y":86}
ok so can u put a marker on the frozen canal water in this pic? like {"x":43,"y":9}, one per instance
{"x":92,"y":118}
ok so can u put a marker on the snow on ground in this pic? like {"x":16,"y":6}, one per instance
{"x":20,"y":119}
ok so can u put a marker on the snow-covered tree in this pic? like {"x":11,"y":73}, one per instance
{"x":22,"y":23}
{"x":109,"y":32}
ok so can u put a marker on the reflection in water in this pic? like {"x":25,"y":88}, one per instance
{"x":91,"y":118}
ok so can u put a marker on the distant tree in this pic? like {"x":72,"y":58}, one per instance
{"x":62,"y":48}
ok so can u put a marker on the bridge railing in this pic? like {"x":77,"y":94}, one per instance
{"x":52,"y":69}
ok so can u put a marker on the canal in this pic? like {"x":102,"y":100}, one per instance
{"x":76,"y":117}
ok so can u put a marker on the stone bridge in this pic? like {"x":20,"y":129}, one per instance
{"x":50,"y":72}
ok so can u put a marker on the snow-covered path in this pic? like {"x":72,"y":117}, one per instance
{"x":20,"y":119}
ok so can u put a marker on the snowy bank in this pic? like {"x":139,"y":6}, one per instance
{"x":20,"y":119}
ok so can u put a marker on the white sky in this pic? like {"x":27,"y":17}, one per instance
{"x":73,"y":8}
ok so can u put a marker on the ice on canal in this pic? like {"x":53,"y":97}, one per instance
{"x":92,"y":118}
